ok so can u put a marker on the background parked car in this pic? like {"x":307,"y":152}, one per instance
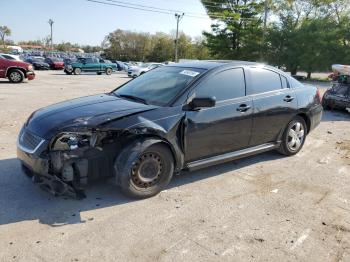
{"x":11,"y":57}
{"x":15,"y":71}
{"x":120,"y":65}
{"x":338,"y":97}
{"x":38,"y":63}
{"x":143,"y":68}
{"x":55,"y":63}
{"x":90,"y":65}
{"x":68,"y":61}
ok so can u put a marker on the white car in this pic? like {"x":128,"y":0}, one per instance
{"x":10,"y":57}
{"x":136,"y":71}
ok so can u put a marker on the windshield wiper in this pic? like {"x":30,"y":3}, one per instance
{"x":135,"y":98}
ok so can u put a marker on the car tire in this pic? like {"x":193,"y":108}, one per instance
{"x":67,"y":72}
{"x":77,"y":71}
{"x":143,"y":171}
{"x":16,"y":76}
{"x":293,"y":137}
{"x":99,"y":73}
{"x":109,"y":71}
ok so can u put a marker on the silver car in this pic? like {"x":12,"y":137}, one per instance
{"x":136,"y":71}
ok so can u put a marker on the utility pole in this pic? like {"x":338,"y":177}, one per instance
{"x":51,"y":23}
{"x":178,"y":17}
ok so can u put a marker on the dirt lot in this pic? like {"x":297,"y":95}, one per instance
{"x":264,"y":208}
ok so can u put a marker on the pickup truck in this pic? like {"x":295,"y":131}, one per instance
{"x":90,"y":65}
{"x":15,"y":71}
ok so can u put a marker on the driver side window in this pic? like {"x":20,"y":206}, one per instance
{"x":224,"y":85}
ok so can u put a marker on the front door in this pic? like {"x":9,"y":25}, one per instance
{"x":225,"y":127}
{"x":91,"y":64}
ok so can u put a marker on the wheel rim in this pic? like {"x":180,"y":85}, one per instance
{"x":109,"y":71}
{"x":147,"y":170}
{"x":15,"y":76}
{"x":78,"y":71}
{"x":296,"y":136}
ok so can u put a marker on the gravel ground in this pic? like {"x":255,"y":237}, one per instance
{"x":262,"y":208}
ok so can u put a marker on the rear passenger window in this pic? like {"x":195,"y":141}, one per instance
{"x":264,"y":80}
{"x":284,"y":82}
{"x":225,"y":85}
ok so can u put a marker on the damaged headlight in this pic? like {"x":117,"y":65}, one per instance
{"x":72,"y":141}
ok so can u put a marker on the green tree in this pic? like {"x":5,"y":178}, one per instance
{"x":237,"y":30}
{"x":4,"y":31}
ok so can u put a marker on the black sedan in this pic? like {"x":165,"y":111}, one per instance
{"x":38,"y":63}
{"x":178,"y":117}
{"x":338,"y":97}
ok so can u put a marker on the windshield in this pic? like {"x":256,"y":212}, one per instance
{"x":160,"y":85}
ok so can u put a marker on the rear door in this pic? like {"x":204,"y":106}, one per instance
{"x":275,"y":104}
{"x":225,"y":127}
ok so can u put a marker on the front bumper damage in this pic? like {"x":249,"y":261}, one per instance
{"x":66,"y":172}
{"x":58,"y":173}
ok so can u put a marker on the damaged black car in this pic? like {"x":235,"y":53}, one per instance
{"x":178,"y":117}
{"x":337,"y":97}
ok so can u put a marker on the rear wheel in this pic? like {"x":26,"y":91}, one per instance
{"x":77,"y":71}
{"x":293,"y":137}
{"x":99,"y":73}
{"x":109,"y":71}
{"x":16,"y":76}
{"x":145,"y":173}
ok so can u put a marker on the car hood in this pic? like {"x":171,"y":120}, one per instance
{"x":81,"y":114}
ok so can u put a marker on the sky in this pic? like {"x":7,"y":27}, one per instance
{"x":87,"y":23}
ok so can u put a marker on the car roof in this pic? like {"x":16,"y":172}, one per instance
{"x":210,"y":64}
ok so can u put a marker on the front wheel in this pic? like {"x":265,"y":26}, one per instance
{"x":293,"y":137}
{"x":77,"y":71}
{"x":144,"y":172}
{"x":16,"y":76}
{"x":109,"y":71}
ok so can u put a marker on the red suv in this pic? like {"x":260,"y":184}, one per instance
{"x":15,"y":71}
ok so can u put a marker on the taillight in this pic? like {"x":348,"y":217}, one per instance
{"x":319,"y":95}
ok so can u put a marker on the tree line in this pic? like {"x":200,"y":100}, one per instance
{"x":159,"y":47}
{"x":307,"y":35}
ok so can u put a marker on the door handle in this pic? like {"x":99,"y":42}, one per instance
{"x":243,"y":108}
{"x":288,"y":98}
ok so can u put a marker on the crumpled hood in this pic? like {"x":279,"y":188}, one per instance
{"x":81,"y":113}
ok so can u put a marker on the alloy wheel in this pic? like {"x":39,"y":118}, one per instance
{"x":296,"y":136}
{"x":15,"y":76}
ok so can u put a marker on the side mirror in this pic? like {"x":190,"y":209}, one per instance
{"x":202,"y":102}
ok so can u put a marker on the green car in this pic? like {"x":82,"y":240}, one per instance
{"x":90,"y":65}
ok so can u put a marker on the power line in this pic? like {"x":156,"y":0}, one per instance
{"x":130,"y":7}
{"x":151,"y":7}
{"x":160,"y":10}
